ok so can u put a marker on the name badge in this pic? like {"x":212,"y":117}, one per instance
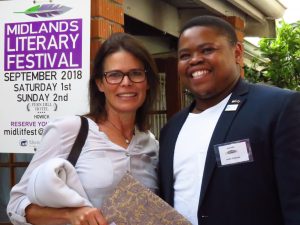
{"x":233,"y":153}
{"x":231,"y":107}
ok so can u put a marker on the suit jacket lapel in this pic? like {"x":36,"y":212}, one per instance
{"x":220,"y":133}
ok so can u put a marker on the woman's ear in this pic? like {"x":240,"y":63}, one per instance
{"x":99,"y":84}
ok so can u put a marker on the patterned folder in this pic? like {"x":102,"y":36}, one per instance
{"x":133,"y":204}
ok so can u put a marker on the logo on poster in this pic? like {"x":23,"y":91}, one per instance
{"x":23,"y":142}
{"x":46,"y":10}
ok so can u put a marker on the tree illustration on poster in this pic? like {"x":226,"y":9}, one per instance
{"x":44,"y":67}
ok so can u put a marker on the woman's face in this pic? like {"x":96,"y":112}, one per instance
{"x":127,"y":96}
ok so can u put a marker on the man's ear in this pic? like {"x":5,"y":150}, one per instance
{"x":239,"y":49}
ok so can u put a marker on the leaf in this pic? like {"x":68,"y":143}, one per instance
{"x":282,"y":68}
{"x":46,"y":10}
{"x":33,"y":9}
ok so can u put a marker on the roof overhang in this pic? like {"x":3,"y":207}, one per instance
{"x":168,"y":15}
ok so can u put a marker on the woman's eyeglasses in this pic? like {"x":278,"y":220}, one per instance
{"x":116,"y":76}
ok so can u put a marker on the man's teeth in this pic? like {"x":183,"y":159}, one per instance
{"x":199,"y":73}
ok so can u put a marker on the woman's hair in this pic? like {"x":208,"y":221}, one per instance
{"x":115,"y":43}
{"x":219,"y":24}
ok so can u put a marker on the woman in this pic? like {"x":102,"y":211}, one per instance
{"x":122,"y":88}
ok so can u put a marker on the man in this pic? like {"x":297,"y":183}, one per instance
{"x":233,"y":156}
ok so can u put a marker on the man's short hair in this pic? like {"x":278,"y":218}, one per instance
{"x":220,"y":25}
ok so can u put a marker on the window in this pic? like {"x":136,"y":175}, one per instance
{"x":12,"y":167}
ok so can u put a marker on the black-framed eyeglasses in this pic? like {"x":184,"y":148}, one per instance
{"x":116,"y":76}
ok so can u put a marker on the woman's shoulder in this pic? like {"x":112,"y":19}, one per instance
{"x":59,"y":136}
{"x":64,"y":124}
{"x":65,"y":121}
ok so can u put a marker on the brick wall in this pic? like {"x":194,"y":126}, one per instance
{"x":239,"y":26}
{"x":107,"y":17}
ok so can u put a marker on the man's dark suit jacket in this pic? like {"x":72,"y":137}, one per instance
{"x":263,"y":192}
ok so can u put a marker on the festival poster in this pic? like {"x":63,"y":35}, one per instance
{"x":44,"y":67}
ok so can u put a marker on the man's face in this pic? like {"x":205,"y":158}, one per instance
{"x":207,"y":63}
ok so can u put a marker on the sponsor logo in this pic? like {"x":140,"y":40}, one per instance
{"x":23,"y":142}
{"x":46,"y":10}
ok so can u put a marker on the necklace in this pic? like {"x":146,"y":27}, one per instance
{"x":120,"y":131}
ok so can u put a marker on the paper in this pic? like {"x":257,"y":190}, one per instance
{"x":133,"y":204}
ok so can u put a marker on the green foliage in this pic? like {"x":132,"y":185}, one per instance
{"x":282,"y":67}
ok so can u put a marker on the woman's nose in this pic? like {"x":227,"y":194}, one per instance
{"x":126,"y":80}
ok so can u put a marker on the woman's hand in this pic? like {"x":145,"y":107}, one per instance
{"x":86,"y":216}
{"x":38,"y":215}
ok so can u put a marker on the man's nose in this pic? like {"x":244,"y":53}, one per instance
{"x":197,"y":58}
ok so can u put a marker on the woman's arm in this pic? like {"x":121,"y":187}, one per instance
{"x":57,"y":141}
{"x":38,"y":215}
